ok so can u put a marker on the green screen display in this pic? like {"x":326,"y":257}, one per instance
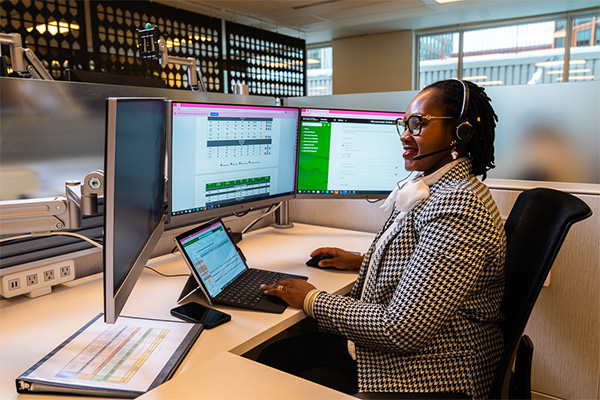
{"x":313,"y":159}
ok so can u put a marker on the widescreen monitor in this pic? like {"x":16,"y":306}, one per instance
{"x":134,"y":174}
{"x":348,"y":153}
{"x":229,"y":158}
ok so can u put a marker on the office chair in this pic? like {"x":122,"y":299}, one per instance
{"x":535,"y":230}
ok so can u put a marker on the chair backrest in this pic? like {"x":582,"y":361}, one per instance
{"x":535,"y":230}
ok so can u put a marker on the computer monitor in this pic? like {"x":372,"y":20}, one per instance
{"x":348,"y":154}
{"x":229,"y":158}
{"x":134,"y":193}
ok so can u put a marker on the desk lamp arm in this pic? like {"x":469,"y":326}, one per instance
{"x":151,"y":47}
{"x":55,"y":213}
{"x":24,"y":61}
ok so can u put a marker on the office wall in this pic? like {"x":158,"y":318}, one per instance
{"x":373,"y":63}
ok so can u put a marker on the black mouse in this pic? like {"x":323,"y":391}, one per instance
{"x":314,"y":261}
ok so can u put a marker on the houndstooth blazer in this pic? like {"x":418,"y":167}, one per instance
{"x":427,"y":321}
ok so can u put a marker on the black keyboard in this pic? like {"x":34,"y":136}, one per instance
{"x":246,"y":291}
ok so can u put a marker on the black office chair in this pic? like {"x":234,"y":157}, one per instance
{"x":535,"y":229}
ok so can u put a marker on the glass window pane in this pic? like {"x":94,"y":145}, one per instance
{"x":515,"y":55}
{"x":319,"y":71}
{"x":584,"y":64}
{"x":438,"y":58}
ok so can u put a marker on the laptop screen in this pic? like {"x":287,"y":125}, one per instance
{"x":213,"y":256}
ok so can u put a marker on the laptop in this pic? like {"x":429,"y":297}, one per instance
{"x":221,"y":272}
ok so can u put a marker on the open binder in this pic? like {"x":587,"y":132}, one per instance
{"x":123,"y":360}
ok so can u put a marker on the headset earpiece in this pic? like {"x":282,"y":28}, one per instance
{"x":464,"y":130}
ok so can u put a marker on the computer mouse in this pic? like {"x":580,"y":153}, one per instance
{"x":314,"y":261}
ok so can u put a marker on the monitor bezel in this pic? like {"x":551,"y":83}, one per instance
{"x":367,"y":195}
{"x":115,"y":298}
{"x":239,"y":209}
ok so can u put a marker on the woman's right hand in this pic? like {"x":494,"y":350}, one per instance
{"x":341,"y":259}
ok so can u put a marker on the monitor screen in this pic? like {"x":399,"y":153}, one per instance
{"x":228,"y":158}
{"x":348,"y":153}
{"x":134,"y":194}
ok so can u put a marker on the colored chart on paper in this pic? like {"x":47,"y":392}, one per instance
{"x":115,"y":355}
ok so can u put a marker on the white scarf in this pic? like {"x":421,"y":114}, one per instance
{"x":411,"y":192}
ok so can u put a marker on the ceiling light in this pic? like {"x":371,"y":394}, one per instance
{"x":576,"y":78}
{"x":490,"y":83}
{"x":474,"y":78}
{"x":312,"y":61}
{"x":558,"y":63}
{"x":571,"y":71}
{"x":581,"y":78}
{"x":446,"y":1}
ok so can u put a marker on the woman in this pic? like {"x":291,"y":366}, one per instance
{"x":423,"y":314}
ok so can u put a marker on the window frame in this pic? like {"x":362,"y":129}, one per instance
{"x":460,"y":29}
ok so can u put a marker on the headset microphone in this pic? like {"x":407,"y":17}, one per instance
{"x":421,"y":156}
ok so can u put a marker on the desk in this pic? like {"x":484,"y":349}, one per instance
{"x":214,"y":368}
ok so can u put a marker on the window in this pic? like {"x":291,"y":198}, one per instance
{"x":583,"y":37}
{"x":584,"y":53}
{"x":319,"y":62}
{"x":530,"y":53}
{"x":438,"y":57}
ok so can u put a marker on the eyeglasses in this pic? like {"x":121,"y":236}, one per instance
{"x":413,"y":123}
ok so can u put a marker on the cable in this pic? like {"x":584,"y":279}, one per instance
{"x":269,"y":211}
{"x":241,"y":215}
{"x":77,"y":235}
{"x":16,"y":237}
{"x":166,"y":275}
{"x":30,"y":235}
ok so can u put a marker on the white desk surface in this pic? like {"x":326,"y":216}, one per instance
{"x":214,"y":368}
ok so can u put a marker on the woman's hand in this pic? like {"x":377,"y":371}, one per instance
{"x":292,"y":291}
{"x":342,"y":259}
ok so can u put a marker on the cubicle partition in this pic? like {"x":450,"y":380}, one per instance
{"x":53,"y":131}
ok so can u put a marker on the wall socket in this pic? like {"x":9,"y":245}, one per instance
{"x":37,"y":281}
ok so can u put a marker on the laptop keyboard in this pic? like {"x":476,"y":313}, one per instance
{"x":246,"y":291}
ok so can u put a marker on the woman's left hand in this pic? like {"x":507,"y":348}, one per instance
{"x":292,"y":291}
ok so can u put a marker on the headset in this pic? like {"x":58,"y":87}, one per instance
{"x":464,"y":130}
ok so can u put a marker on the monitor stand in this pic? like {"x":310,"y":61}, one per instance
{"x":282,"y":216}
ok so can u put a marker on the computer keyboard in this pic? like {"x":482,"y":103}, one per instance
{"x":246,"y":291}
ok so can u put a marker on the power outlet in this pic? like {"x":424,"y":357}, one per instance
{"x":32,"y":279}
{"x":49,"y":275}
{"x":65,"y":271}
{"x":37,"y":281}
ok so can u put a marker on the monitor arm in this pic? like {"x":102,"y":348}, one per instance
{"x":24,"y":61}
{"x":40,"y":216}
{"x":150,"y":47}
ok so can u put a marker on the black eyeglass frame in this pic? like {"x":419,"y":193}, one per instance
{"x":414,"y":131}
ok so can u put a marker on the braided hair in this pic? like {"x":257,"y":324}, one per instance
{"x":479,"y":113}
